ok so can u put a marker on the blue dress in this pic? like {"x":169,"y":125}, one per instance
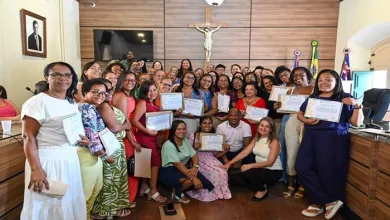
{"x":322,"y":160}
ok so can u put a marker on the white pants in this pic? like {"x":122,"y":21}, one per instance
{"x":292,"y":133}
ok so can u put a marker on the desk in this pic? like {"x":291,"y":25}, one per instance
{"x":12,"y":162}
{"x":368,"y":189}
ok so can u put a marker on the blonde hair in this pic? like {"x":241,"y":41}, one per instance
{"x":271,"y":123}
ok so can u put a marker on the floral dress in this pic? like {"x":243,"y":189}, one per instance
{"x":209,"y":166}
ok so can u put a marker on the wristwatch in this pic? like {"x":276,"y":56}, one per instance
{"x":358,"y":106}
{"x":196,"y":165}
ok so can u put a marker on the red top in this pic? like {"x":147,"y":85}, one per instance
{"x":8,"y":110}
{"x":150,"y":107}
{"x":242,"y":106}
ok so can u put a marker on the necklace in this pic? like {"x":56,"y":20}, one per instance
{"x":51,"y":94}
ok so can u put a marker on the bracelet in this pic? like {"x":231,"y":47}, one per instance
{"x":104,"y":157}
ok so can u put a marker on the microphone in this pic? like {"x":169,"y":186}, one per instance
{"x":28,"y":89}
{"x":372,"y":124}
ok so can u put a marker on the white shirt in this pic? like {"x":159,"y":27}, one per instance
{"x":261,"y":152}
{"x":235,"y":136}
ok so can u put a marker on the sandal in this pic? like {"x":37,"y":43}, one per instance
{"x":335,"y":207}
{"x":156,"y":197}
{"x":290,"y":191}
{"x":309,"y":211}
{"x":143,"y":192}
{"x":132,"y":205}
{"x":122,"y":213}
{"x":96,"y":216}
{"x":300,"y":194}
{"x":180,"y":199}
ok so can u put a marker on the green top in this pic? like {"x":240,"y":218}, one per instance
{"x":125,"y":64}
{"x":170,"y":155}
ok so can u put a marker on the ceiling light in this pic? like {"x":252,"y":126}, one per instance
{"x":214,"y":2}
{"x":141,"y":35}
{"x":143,"y":41}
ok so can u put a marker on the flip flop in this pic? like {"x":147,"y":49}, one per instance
{"x":306,"y":212}
{"x":180,"y":200}
{"x":290,"y":191}
{"x":335,"y":207}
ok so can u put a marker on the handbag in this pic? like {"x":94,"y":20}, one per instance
{"x":56,"y":189}
{"x":130,"y":166}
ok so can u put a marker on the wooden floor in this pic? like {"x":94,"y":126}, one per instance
{"x":240,"y":207}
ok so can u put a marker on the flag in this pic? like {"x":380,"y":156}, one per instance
{"x":314,"y":59}
{"x":297,"y":53}
{"x":346,"y":70}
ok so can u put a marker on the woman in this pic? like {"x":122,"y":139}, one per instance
{"x":266,"y":84}
{"x":282,"y":76}
{"x":301,"y":77}
{"x":189,"y":89}
{"x":257,"y":71}
{"x":245,"y":70}
{"x":45,"y":145}
{"x":250,"y":99}
{"x":92,"y":156}
{"x":224,"y":88}
{"x":8,"y":110}
{"x":116,"y":68}
{"x":268,"y":168}
{"x":113,"y":198}
{"x":210,"y":100}
{"x":134,"y":67}
{"x":210,"y":166}
{"x":158,"y":76}
{"x":198,"y":73}
{"x":157,"y":66}
{"x":322,"y":161}
{"x":185,"y":66}
{"x":175,"y":173}
{"x":266,"y":72}
{"x":112,"y":77}
{"x":213,"y":75}
{"x":148,"y":94}
{"x":142,"y":65}
{"x":238,"y":85}
{"x":91,"y":70}
{"x":124,"y":100}
{"x":238,"y":74}
{"x":251,"y":77}
{"x":235,"y":68}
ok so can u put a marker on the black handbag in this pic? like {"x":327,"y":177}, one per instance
{"x":131,"y":166}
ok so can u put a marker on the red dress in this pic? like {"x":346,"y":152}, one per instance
{"x":242,"y":106}
{"x":147,"y":140}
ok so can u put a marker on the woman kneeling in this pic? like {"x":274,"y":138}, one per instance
{"x":176,"y":153}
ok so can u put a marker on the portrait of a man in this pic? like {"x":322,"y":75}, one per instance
{"x":34,"y":40}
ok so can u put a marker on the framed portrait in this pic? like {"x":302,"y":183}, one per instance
{"x":33,"y":34}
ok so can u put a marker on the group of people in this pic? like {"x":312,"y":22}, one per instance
{"x":313,"y":153}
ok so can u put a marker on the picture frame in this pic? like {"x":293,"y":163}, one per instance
{"x":34,"y":40}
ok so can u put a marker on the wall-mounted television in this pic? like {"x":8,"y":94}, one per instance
{"x":114,"y":44}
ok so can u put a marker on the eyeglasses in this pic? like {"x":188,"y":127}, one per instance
{"x":168,"y":85}
{"x":190,"y":78}
{"x":100,"y":93}
{"x":60,"y":75}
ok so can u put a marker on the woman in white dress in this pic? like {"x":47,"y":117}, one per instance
{"x":49,"y":154}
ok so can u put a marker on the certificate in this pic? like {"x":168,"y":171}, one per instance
{"x":324,"y":110}
{"x":193,"y":106}
{"x":158,"y":121}
{"x":278,"y":90}
{"x":291,"y":103}
{"x":255,"y":113}
{"x":109,"y":141}
{"x":171,"y":101}
{"x":223,"y":103}
{"x":211,"y":142}
{"x":142,"y":167}
{"x":73,"y":127}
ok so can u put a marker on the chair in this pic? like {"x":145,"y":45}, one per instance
{"x":375,"y":105}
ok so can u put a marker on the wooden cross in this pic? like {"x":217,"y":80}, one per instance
{"x":208,"y":24}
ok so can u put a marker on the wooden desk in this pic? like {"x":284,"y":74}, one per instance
{"x":12,"y":162}
{"x":368,"y":184}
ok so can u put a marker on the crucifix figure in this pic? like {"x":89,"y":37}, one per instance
{"x":208,"y":33}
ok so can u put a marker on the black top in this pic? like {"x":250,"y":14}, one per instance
{"x":270,"y":105}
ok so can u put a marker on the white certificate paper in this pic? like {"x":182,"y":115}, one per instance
{"x":158,"y":121}
{"x":278,"y":90}
{"x":255,"y":113}
{"x":193,"y":106}
{"x":291,"y":103}
{"x":223,"y":103}
{"x":324,"y":110}
{"x":171,"y":101}
{"x":73,"y":127}
{"x":211,"y":142}
{"x":109,"y":141}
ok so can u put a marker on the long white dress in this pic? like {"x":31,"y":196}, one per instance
{"x":58,"y":159}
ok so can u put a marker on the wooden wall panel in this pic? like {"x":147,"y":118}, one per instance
{"x":11,"y":193}
{"x":295,"y":13}
{"x":180,"y":13}
{"x":200,"y":63}
{"x":188,"y":43}
{"x":272,"y":64}
{"x":122,"y":13}
{"x":280,"y":43}
{"x":87,"y":44}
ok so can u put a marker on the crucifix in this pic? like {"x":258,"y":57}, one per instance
{"x":207,"y":33}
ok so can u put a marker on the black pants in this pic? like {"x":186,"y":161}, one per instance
{"x":257,"y":177}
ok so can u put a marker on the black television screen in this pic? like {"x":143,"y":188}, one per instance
{"x":114,"y":44}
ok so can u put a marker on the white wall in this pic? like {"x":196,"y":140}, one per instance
{"x":18,"y":71}
{"x":362,"y":24}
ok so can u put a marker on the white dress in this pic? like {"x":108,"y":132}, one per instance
{"x":58,"y":159}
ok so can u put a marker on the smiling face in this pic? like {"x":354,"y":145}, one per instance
{"x":205,"y":82}
{"x":110,"y":91}
{"x":157,"y":66}
{"x":181,"y":131}
{"x":158,"y":76}
{"x":129,"y":82}
{"x":264,"y":128}
{"x":142,"y":78}
{"x":326,"y":82}
{"x":185,"y":65}
{"x":96,"y":95}
{"x":206,"y":125}
{"x":237,"y":84}
{"x":198,"y":73}
{"x":152,"y":94}
{"x":220,"y":70}
{"x":285,"y":77}
{"x":250,"y":91}
{"x":235,"y":69}
{"x":189,"y":79}
{"x":141,"y":63}
{"x":166,"y":85}
{"x":268,"y":84}
{"x":93,"y":72}
{"x":116,"y":69}
{"x":59,"y":84}
{"x":209,"y":68}
{"x":234,"y":117}
{"x":223,"y":83}
{"x":112,"y":78}
{"x":250,"y":78}
{"x":300,"y":78}
{"x":258,"y":72}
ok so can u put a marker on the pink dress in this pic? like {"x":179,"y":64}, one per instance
{"x":209,"y":166}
